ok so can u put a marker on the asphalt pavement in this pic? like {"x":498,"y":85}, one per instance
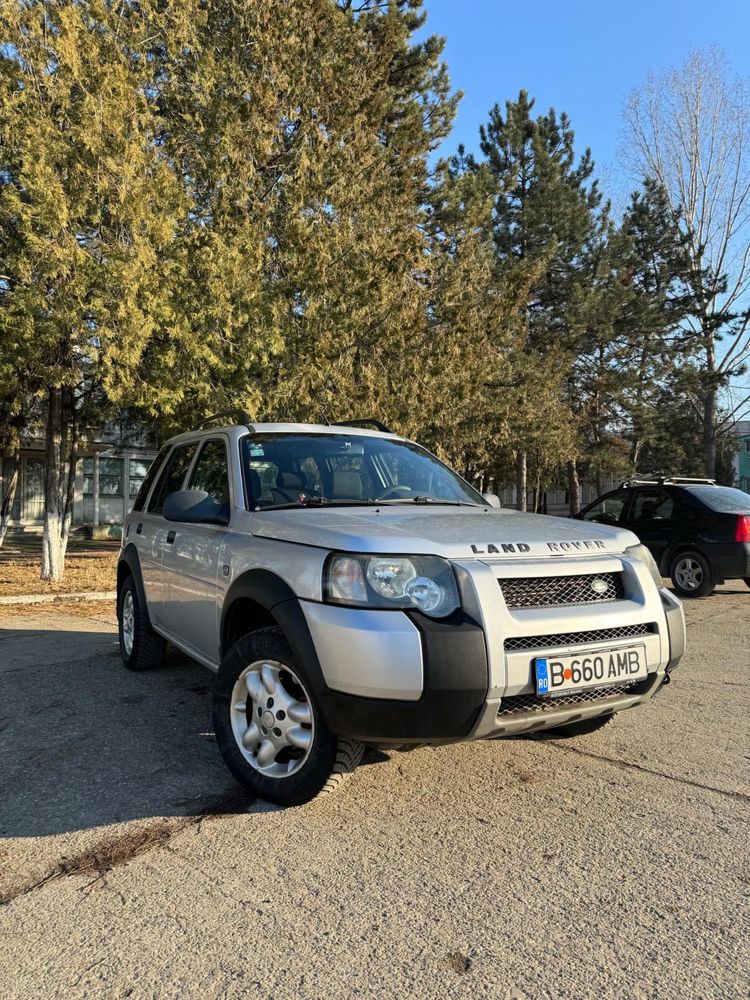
{"x":131,"y":865}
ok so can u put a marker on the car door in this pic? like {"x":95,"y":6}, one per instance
{"x":190,"y":563}
{"x":651,"y":518}
{"x":152,"y":530}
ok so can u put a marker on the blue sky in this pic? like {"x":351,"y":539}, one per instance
{"x":581,"y":56}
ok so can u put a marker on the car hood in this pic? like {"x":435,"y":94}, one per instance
{"x":453,"y":532}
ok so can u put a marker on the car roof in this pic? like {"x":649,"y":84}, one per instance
{"x":237,"y":431}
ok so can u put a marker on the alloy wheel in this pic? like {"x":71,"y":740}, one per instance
{"x":272,"y":720}
{"x":688,"y":573}
{"x":128,"y":622}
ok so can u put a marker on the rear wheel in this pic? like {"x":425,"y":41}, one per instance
{"x":691,"y":575}
{"x":269,"y":728}
{"x":140,"y":647}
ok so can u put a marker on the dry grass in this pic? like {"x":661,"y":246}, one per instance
{"x":85,"y":572}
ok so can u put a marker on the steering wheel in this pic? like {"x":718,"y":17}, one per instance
{"x":395,"y":494}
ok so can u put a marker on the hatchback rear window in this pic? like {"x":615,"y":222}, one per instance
{"x":723,"y":499}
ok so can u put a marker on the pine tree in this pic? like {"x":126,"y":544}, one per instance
{"x":87,"y":204}
{"x":304,"y":252}
{"x":656,"y":267}
{"x":545,"y":213}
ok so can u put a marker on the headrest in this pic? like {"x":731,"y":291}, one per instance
{"x":347,"y":485}
{"x":255,"y":483}
{"x":290,"y":481}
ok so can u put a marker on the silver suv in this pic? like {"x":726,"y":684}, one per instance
{"x":349,"y":589}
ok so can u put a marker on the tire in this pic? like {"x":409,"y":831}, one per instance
{"x":691,"y":574}
{"x":140,"y":647}
{"x":269,"y":727}
{"x":581,"y":728}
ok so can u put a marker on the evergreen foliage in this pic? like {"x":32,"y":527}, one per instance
{"x":207,"y":204}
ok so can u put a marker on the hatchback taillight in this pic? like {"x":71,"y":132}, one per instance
{"x":742,"y":532}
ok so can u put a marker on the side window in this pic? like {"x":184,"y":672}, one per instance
{"x":211,"y":474}
{"x":652,"y":505}
{"x":140,"y":498}
{"x":172,"y":477}
{"x":609,"y":509}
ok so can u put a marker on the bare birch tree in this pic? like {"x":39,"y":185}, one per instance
{"x":689,"y":130}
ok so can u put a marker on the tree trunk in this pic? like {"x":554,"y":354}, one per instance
{"x":70,"y":477}
{"x":521,"y":480}
{"x":574,"y":488}
{"x":635,"y":456}
{"x":9,"y":491}
{"x":58,"y":481}
{"x":709,"y":433}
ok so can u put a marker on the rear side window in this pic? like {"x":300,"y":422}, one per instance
{"x":172,"y":477}
{"x":140,"y":497}
{"x":652,"y":505}
{"x":722,"y":499}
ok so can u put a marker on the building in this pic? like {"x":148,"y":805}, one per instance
{"x":108,"y":476}
{"x":742,"y":455}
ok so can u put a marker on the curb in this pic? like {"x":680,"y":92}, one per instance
{"x":96,"y":595}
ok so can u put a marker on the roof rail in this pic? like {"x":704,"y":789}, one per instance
{"x":685,"y":479}
{"x":238,"y":417}
{"x":661,"y":480}
{"x":363,"y":423}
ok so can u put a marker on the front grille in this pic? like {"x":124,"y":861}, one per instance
{"x":522,"y":642}
{"x":521,"y":703}
{"x":555,"y":591}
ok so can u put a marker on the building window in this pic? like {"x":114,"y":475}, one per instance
{"x":110,"y":477}
{"x":138,"y":469}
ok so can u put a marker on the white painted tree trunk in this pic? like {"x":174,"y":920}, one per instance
{"x":58,"y":482}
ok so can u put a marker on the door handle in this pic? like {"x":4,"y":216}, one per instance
{"x":139,"y":529}
{"x":170,"y":537}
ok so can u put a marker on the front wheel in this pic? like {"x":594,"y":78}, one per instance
{"x":691,"y":575}
{"x":269,"y":728}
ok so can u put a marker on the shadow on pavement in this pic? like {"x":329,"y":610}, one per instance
{"x":85,"y":743}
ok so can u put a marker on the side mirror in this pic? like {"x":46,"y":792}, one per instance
{"x":492,"y":499}
{"x":195,"y":507}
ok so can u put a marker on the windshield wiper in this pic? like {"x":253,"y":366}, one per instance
{"x":437,"y":500}
{"x":315,"y":502}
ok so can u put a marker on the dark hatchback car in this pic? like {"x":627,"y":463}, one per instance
{"x":698,"y":532}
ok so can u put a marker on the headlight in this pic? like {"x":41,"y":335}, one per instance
{"x":423,"y":582}
{"x":642,"y":553}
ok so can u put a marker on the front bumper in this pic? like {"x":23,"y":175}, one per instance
{"x":393,"y":677}
{"x":433,"y":676}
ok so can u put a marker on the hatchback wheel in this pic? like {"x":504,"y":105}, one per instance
{"x":268,"y":725}
{"x":691,"y":575}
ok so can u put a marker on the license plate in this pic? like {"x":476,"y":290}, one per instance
{"x":572,"y":672}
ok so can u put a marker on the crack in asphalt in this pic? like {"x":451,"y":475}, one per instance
{"x":118,"y":851}
{"x":628,"y":765}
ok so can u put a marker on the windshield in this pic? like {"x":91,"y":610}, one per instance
{"x":311,"y":469}
{"x":724,"y":499}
